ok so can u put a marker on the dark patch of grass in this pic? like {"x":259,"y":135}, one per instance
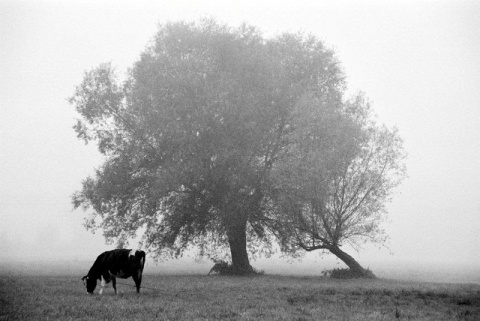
{"x":465,"y":301}
{"x":330,"y":291}
{"x":305,"y":299}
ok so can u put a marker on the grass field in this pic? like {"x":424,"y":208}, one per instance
{"x":199,"y":297}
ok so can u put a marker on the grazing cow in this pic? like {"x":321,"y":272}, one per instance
{"x":121,"y":263}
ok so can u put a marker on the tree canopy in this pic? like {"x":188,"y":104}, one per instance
{"x":333,"y":184}
{"x":196,"y":136}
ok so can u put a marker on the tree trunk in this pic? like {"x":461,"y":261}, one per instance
{"x":354,"y":266}
{"x":237,"y":239}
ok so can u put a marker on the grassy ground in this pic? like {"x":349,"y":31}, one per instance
{"x":236,"y":298}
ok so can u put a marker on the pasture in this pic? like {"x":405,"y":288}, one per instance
{"x":266,"y":297}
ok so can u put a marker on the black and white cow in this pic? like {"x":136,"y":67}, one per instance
{"x":120,"y":263}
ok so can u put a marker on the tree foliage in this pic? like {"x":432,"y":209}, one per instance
{"x":333,"y":184}
{"x":191,"y":136}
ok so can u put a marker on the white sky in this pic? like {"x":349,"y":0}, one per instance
{"x":418,"y":62}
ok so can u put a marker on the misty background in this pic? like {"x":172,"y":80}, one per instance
{"x":416,"y":61}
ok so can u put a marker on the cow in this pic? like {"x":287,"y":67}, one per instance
{"x":119,"y":263}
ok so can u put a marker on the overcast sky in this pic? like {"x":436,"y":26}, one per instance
{"x":418,"y":62}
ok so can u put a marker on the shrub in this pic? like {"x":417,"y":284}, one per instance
{"x":220,"y":267}
{"x":348,"y":274}
{"x":224,"y":268}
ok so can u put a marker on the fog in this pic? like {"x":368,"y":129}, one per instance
{"x":404,"y":271}
{"x":416,"y":61}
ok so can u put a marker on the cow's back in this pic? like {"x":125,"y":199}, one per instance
{"x":107,"y":261}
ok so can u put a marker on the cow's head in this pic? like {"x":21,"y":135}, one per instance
{"x":90,"y":283}
{"x":137,"y":259}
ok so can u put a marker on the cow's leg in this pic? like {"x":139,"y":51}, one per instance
{"x":114,"y":284}
{"x":102,"y":284}
{"x":138,"y":280}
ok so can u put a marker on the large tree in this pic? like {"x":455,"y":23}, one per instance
{"x":332,"y":184}
{"x":191,"y":136}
